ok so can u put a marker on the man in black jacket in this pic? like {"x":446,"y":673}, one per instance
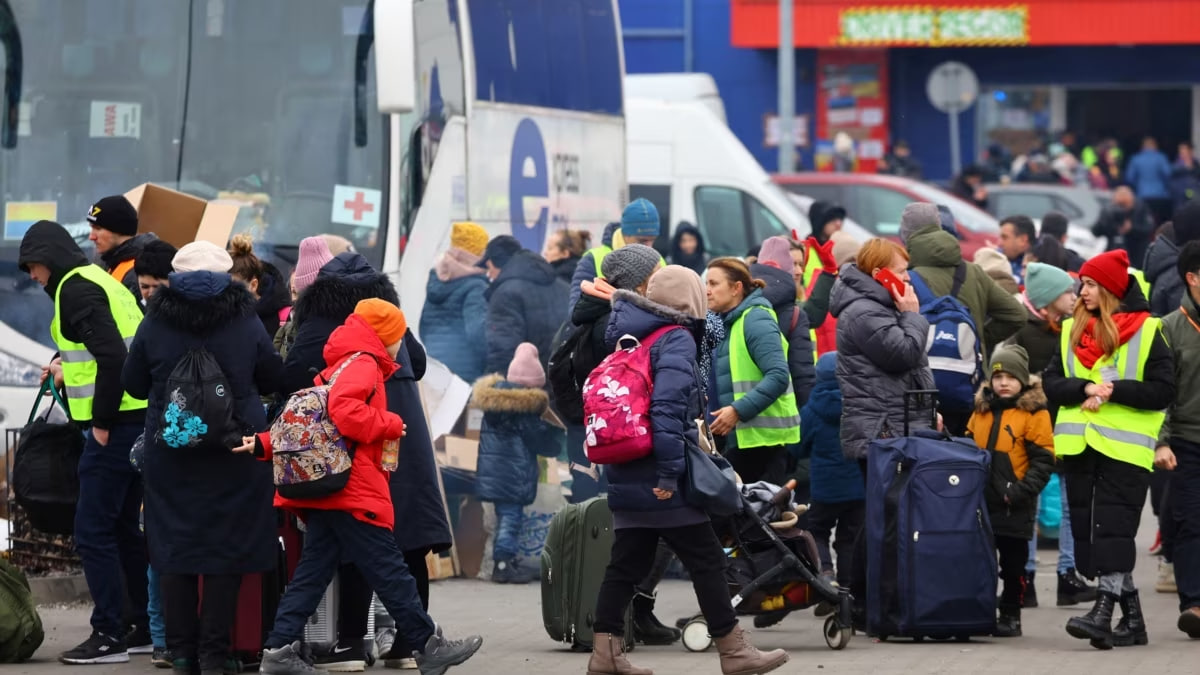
{"x":114,"y":224}
{"x":527,"y":302}
{"x":95,"y":318}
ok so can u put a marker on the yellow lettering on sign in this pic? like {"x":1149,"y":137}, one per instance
{"x":934,"y":26}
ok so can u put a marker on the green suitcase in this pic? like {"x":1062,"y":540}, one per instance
{"x":576,"y":554}
{"x":20,"y":626}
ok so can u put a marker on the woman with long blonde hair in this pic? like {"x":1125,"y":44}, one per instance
{"x":1112,"y":378}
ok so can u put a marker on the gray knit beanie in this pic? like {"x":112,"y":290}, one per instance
{"x":627,"y":267}
{"x":917,"y":215}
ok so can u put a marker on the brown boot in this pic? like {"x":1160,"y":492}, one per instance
{"x":608,"y":657}
{"x":739,"y":657}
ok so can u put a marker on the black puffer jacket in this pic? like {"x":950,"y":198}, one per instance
{"x":881,"y":355}
{"x":781,"y":293}
{"x":1166,"y":288}
{"x":526,"y":303}
{"x":273,"y":296}
{"x":129,"y":250}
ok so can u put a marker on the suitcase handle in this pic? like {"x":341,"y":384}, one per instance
{"x":919,"y":394}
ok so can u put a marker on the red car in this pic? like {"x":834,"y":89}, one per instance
{"x":876,"y":202}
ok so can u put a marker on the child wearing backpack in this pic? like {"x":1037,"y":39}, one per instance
{"x":1011,"y":422}
{"x":512,"y":436}
{"x":355,"y":523}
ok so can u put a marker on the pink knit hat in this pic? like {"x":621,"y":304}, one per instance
{"x":314,"y":254}
{"x":526,"y":368}
{"x":776,"y":252}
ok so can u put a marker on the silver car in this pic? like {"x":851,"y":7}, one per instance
{"x":1081,"y":206}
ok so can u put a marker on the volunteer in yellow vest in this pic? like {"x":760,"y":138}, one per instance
{"x":639,"y":225}
{"x":1112,"y":377}
{"x":95,"y":319}
{"x":754,"y":410}
{"x":114,"y":224}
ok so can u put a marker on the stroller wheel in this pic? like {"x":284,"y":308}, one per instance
{"x":836,"y":636}
{"x":695,"y":636}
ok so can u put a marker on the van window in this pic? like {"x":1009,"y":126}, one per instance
{"x":660,"y":197}
{"x":763,"y":223}
{"x":721,"y":218}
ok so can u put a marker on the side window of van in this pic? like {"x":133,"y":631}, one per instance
{"x":721,"y":218}
{"x":763,"y":223}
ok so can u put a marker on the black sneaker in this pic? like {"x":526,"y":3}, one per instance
{"x":138,"y":641}
{"x":161,"y":657}
{"x":345,"y":658}
{"x":99,"y":648}
{"x":440,"y":654}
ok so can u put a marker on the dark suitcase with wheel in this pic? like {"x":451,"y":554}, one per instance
{"x":576,"y":554}
{"x":931,"y":566}
{"x":258,"y":598}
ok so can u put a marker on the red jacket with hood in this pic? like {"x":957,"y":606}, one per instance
{"x":366,"y":495}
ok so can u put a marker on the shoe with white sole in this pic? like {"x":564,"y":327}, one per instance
{"x":99,"y":648}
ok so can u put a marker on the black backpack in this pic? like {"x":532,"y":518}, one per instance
{"x":570,"y":364}
{"x":45,"y":473}
{"x":199,"y":406}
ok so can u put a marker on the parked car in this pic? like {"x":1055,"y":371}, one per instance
{"x":875,"y":202}
{"x":1081,"y":206}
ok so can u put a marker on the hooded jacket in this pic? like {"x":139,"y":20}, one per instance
{"x":128,"y":250}
{"x":1183,"y":417}
{"x":85,"y":316}
{"x":935,"y":255}
{"x":273,"y":296}
{"x":834,"y":479}
{"x":1019,"y":435}
{"x":358,"y":407}
{"x":594,"y":309}
{"x":511,"y":438}
{"x":526,"y":303}
{"x":1166,"y":288}
{"x":695,"y":261}
{"x":587,"y":269}
{"x":675,"y":404}
{"x":454,"y":319}
{"x":564,"y":268}
{"x":781,"y":293}
{"x":208,"y":511}
{"x":881,"y":355}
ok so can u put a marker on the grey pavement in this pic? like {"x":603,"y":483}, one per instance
{"x":509,"y":618}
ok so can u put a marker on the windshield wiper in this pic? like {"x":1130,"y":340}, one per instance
{"x":13,"y":69}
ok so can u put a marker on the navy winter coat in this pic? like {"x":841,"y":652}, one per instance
{"x":834,"y":479}
{"x":781,"y":293}
{"x":208,"y":511}
{"x":512,"y":437}
{"x":526,"y":303}
{"x":675,"y":404}
{"x":1166,"y":288}
{"x":454,"y":319}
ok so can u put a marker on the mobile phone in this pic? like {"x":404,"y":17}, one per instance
{"x":890,"y":281}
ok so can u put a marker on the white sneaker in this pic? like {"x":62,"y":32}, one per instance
{"x":1166,"y":578}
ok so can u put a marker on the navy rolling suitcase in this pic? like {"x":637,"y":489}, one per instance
{"x":931,"y":568}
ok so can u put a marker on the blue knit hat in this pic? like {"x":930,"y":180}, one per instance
{"x":640,"y":219}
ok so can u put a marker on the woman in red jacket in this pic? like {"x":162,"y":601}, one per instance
{"x":355,"y":523}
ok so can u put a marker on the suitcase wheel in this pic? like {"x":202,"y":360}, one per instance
{"x":836,"y":636}
{"x":695,"y":636}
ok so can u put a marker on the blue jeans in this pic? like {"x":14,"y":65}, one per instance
{"x":336,"y":536}
{"x":1066,"y":542}
{"x":107,"y":536}
{"x":158,"y":626}
{"x":509,"y":518}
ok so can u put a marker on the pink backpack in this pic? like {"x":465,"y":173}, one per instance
{"x":616,"y":402}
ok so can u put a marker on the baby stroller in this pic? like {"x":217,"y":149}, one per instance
{"x":773,"y":566}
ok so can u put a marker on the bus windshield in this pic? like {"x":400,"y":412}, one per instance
{"x":262,"y":102}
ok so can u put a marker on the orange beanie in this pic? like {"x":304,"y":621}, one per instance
{"x":384,"y":318}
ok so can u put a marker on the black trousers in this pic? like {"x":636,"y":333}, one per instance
{"x":1013,"y":553}
{"x":633,"y":555}
{"x":848,"y":518}
{"x":755,"y":464}
{"x":199,"y":627}
{"x":354,"y":598}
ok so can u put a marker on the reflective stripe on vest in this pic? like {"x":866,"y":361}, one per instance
{"x":1121,"y":432}
{"x":1141,"y":280}
{"x":78,"y":364}
{"x":779,"y":423}
{"x":812,"y":265}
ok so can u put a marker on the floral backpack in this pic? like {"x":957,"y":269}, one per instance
{"x":199,"y":408}
{"x":311,"y":457}
{"x":616,"y":402}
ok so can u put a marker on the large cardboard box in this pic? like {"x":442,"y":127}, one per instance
{"x":179,"y":218}
{"x":460,"y":453}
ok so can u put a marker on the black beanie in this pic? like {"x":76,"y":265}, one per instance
{"x":155,"y":259}
{"x":115,"y":214}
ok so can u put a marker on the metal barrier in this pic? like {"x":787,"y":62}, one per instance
{"x":37,"y":553}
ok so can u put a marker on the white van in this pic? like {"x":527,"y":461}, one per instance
{"x":677,"y":87}
{"x":689,"y":164}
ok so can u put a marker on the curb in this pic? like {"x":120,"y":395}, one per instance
{"x":59,"y":590}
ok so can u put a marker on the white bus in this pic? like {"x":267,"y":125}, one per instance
{"x":379,"y":121}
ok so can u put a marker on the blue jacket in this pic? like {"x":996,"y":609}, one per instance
{"x":675,"y":404}
{"x":512,"y":437}
{"x":588,"y":269}
{"x":766,"y":350}
{"x":1150,"y":175}
{"x":454,"y":319}
{"x":834,"y":479}
{"x":207,"y":511}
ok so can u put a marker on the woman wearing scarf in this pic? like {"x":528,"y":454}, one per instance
{"x":1112,"y":378}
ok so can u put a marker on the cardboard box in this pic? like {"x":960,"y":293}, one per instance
{"x":461,"y":453}
{"x":179,"y":218}
{"x":439,"y":567}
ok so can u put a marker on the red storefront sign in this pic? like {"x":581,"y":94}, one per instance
{"x":905,"y":23}
{"x":852,"y":97}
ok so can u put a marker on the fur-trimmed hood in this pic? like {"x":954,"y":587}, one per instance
{"x":1031,"y":400}
{"x":493,"y":393}
{"x":200,"y":302}
{"x":340,"y":285}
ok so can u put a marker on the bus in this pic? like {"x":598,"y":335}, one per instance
{"x":382,"y":121}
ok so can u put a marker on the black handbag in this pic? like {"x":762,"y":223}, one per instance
{"x":711,"y":484}
{"x":45,"y":474}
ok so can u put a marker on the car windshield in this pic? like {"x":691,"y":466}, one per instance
{"x":264,"y":103}
{"x":967,"y":215}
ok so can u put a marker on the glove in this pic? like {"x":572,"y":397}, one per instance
{"x":824,"y":254}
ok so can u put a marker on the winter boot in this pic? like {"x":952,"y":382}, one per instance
{"x":1029,"y":598}
{"x":1131,"y":629}
{"x":1009,"y":623}
{"x":1189,"y":622}
{"x":1096,"y":625}
{"x":1072,"y":590}
{"x":647,"y":629}
{"x":739,"y":657}
{"x":511,"y":572}
{"x":608,"y":657}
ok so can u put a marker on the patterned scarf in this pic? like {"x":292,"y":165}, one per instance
{"x":714,"y":334}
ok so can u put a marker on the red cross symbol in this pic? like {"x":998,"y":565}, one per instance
{"x":359,"y":205}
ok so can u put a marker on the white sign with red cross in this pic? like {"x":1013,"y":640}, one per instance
{"x":356,"y":206}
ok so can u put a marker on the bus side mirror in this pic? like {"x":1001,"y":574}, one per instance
{"x":395,"y":57}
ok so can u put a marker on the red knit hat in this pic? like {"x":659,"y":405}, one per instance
{"x":1110,"y":270}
